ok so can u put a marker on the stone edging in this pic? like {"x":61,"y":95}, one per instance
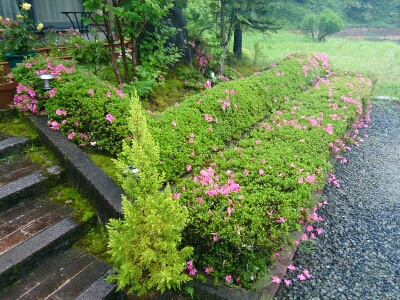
{"x":82,"y":172}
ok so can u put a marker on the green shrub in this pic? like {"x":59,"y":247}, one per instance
{"x":203,"y":123}
{"x":328,"y":22}
{"x":90,"y":112}
{"x":248,"y":199}
{"x":143,"y":246}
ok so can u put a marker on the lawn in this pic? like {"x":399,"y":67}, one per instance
{"x":377,"y":60}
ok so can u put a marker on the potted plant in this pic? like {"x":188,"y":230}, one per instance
{"x":19,"y":38}
{"x":7,"y":89}
{"x":4,"y":64}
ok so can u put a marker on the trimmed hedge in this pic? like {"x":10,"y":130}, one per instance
{"x":245,"y":204}
{"x":188,"y":133}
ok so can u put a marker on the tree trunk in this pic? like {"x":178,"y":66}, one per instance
{"x":111,"y":50}
{"x":237,"y":42}
{"x":121,"y":41}
{"x":221,"y":64}
{"x":134,"y":57}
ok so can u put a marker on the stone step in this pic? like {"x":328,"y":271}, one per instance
{"x":20,"y":178}
{"x":12,"y":145}
{"x":72,"y":274}
{"x":32,"y":231}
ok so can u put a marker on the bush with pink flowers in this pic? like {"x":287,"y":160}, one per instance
{"x":88,"y":111}
{"x":244,"y":203}
{"x":190,"y":132}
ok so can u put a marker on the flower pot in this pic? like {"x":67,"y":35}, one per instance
{"x":7,"y":93}
{"x":6,"y":67}
{"x":14,"y":58}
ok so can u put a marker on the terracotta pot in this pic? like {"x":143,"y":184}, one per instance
{"x":7,"y":91}
{"x":6,"y":67}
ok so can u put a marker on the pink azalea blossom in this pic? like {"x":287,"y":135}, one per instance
{"x":291,"y":267}
{"x":209,"y":270}
{"x":281,"y":220}
{"x":287,"y":282}
{"x":110,"y":118}
{"x":261,"y":171}
{"x":188,"y":167}
{"x":276,"y":279}
{"x":228,"y":278}
{"x":301,"y":277}
{"x":90,"y":92}
{"x":71,"y":135}
{"x":306,"y":273}
{"x":176,"y":196}
{"x":173,"y":123}
{"x":304,"y":237}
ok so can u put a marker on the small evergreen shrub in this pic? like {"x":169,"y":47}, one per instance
{"x":143,"y":245}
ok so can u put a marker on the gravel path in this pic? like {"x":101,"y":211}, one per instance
{"x":358,"y":256}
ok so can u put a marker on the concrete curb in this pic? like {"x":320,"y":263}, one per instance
{"x":82,"y":172}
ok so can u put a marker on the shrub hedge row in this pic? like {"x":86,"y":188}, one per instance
{"x":244,"y":204}
{"x":189,"y":132}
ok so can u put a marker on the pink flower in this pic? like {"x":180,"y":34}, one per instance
{"x":228,"y":278}
{"x":71,"y":135}
{"x":176,"y":196}
{"x":261,"y":171}
{"x":306,"y":273}
{"x":271,"y":213}
{"x":276,"y":279}
{"x":110,"y":118}
{"x":188,"y":167}
{"x":258,"y":142}
{"x":173,"y":123}
{"x":287,"y":282}
{"x":304,"y":237}
{"x":108,"y":94}
{"x":28,"y":65}
{"x":291,"y":267}
{"x":319,"y":231}
{"x":277,"y":255}
{"x":229,"y":211}
{"x":301,"y":277}
{"x":300,"y":180}
{"x":209,"y":270}
{"x":61,"y":112}
{"x":281,"y":220}
{"x":90,"y":92}
{"x":246,"y":172}
{"x":296,"y":242}
{"x":309,"y":228}
{"x":55,"y":126}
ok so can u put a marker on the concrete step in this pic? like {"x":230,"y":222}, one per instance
{"x":72,"y":274}
{"x":20,"y":178}
{"x":32,"y":231}
{"x":13,"y":145}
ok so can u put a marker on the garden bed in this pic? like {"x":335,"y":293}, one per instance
{"x":246,"y":155}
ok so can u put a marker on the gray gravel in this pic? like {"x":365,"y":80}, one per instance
{"x":358,"y":256}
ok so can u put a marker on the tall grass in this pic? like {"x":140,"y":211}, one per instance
{"x":378,"y":60}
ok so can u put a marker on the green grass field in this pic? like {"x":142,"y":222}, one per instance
{"x":378,"y":60}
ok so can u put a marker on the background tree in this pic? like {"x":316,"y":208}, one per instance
{"x":130,"y":19}
{"x":326,"y":24}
